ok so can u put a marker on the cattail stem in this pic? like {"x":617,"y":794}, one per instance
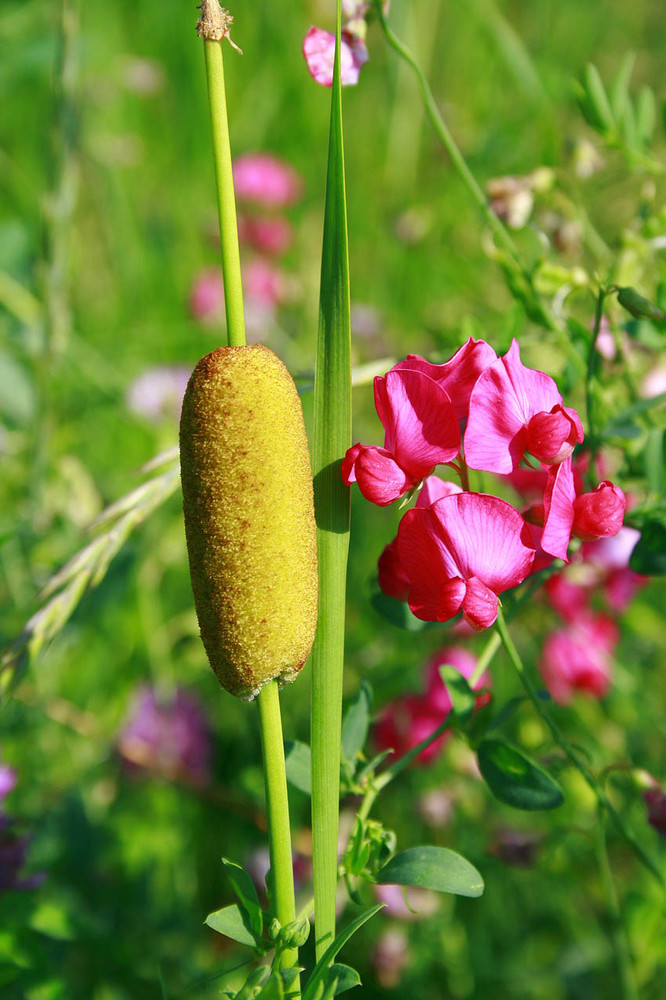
{"x":226,"y":201}
{"x":277,"y":806}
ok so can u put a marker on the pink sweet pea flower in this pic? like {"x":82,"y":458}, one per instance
{"x":460,"y":553}
{"x":421,"y":431}
{"x":263,"y":178}
{"x":459,"y":374}
{"x":271,"y":234}
{"x":570,"y":600}
{"x":514,"y":409}
{"x":390,"y":574}
{"x":578,"y":658}
{"x":319,"y":52}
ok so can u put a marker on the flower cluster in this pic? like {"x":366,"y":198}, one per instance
{"x":457,"y":550}
{"x":408,"y":721}
{"x":319,"y":46}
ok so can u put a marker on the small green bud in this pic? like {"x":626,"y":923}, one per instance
{"x":638,"y":306}
{"x":249,"y":517}
{"x":292,"y":935}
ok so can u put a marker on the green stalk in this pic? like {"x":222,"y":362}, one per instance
{"x":572,"y":754}
{"x":214,"y":28}
{"x":332,"y":437}
{"x":277,"y":807}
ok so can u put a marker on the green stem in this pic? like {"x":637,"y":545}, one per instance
{"x":277,"y":805}
{"x":572,"y":754}
{"x":226,"y":201}
{"x":332,"y":437}
{"x":618,"y":930}
{"x":592,"y":363}
{"x":496,"y":225}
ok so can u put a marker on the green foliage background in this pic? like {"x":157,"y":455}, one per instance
{"x":131,"y":861}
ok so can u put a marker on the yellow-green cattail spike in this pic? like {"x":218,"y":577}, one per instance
{"x":249,"y":517}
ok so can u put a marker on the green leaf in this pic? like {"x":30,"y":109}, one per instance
{"x":344,"y":977}
{"x":247,"y":894}
{"x":598,"y":100}
{"x":646,"y":116}
{"x":638,"y":306}
{"x":461,"y":694}
{"x":619,"y":91}
{"x":649,"y":555}
{"x":233,"y":922}
{"x":435,"y":868}
{"x":249,"y":987}
{"x":397,"y":613}
{"x":297,"y":762}
{"x":319,"y":971}
{"x":356,"y":723}
{"x":278,"y":984}
{"x":516,"y":780}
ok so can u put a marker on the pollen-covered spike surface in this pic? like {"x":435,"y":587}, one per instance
{"x":249,"y":517}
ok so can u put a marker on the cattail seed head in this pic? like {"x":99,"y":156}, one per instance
{"x":249,"y":517}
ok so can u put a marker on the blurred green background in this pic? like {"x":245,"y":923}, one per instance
{"x":107,"y":222}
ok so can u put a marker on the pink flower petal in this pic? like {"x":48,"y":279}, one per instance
{"x":558,"y":501}
{"x":505,"y":397}
{"x":480,"y":605}
{"x":435,"y":488}
{"x":551,"y":437}
{"x":379,"y":477}
{"x":319,"y":52}
{"x":419,"y":420}
{"x":263,"y":178}
{"x":390,"y":574}
{"x":459,"y":374}
{"x":487,"y":538}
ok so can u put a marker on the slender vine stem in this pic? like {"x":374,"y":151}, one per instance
{"x":495,"y":224}
{"x":572,"y":754}
{"x":277,"y":807}
{"x":618,"y":932}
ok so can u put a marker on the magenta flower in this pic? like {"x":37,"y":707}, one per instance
{"x":266,"y":180}
{"x":319,"y":53}
{"x":270,"y":234}
{"x":460,"y":553}
{"x":421,"y":431}
{"x":578,"y":658}
{"x":464,"y":662}
{"x":458,"y":375}
{"x":408,"y":721}
{"x":168,"y":737}
{"x":513,"y":410}
{"x":598,"y":514}
{"x":206,"y":301}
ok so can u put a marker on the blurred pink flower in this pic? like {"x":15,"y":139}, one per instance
{"x":7,"y":780}
{"x":266,"y":180}
{"x":579,"y":658}
{"x":390,"y":957}
{"x":570,"y":600}
{"x":605,"y":343}
{"x":263,"y":284}
{"x":207,"y":297}
{"x":655,"y":800}
{"x":270,"y":234}
{"x":169,"y":737}
{"x":406,"y":722}
{"x":158,"y":392}
{"x":454,"y":656}
{"x":420,"y":902}
{"x":319,"y":53}
{"x":460,"y":554}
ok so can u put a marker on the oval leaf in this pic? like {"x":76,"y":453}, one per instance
{"x":356,"y":723}
{"x":516,"y":780}
{"x":231,"y":921}
{"x":435,"y":868}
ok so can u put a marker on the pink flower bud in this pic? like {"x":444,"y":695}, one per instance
{"x":599,"y":514}
{"x":551,"y":437}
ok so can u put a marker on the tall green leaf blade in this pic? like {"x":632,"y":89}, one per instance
{"x":320,"y":969}
{"x":332,"y":438}
{"x":435,"y":868}
{"x":516,"y":780}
